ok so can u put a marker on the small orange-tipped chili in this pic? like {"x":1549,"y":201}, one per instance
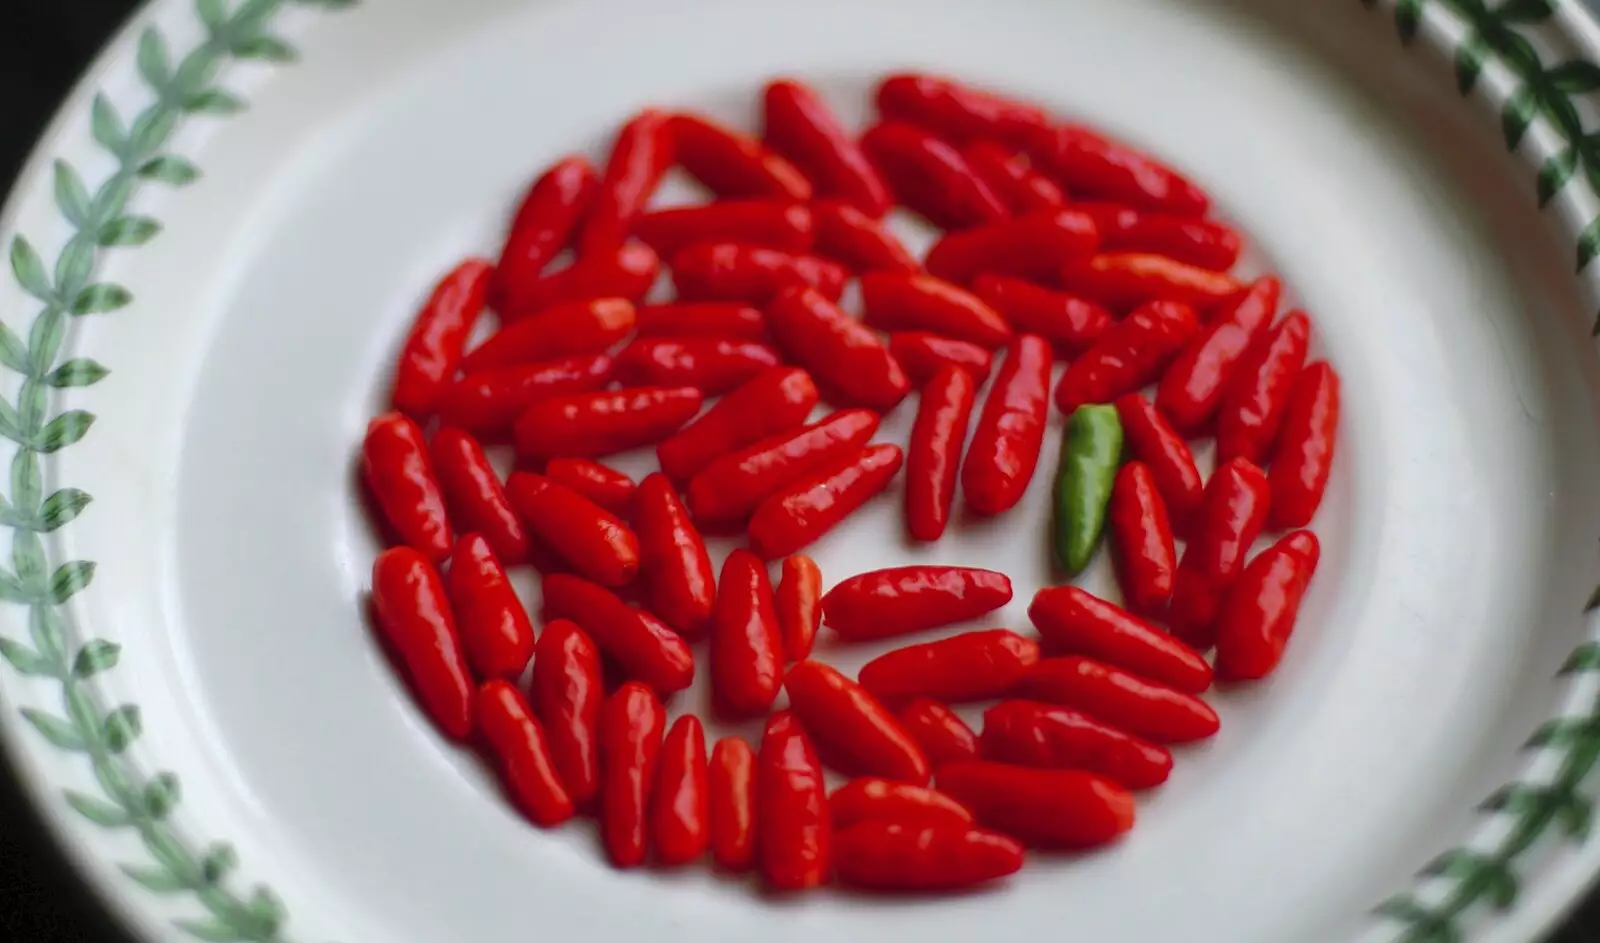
{"x":800,"y":514}
{"x":1095,"y":166}
{"x":922,"y":354}
{"x":399,"y":474}
{"x":631,"y":725}
{"x":1231,"y":516}
{"x":1143,"y":551}
{"x":1073,"y":621}
{"x":680,"y":806}
{"x":732,"y":164}
{"x":904,"y":599}
{"x":627,"y":273}
{"x":777,"y":224}
{"x":1018,"y":185}
{"x":1033,"y":246}
{"x":895,"y":301}
{"x":1048,"y":736}
{"x":798,"y":601}
{"x":795,"y":835}
{"x":1259,"y":612}
{"x":1151,"y":440}
{"x":1191,"y":390}
{"x":729,"y":489}
{"x":1130,"y":354}
{"x":432,"y":350}
{"x":799,"y":125}
{"x":673,"y":562}
{"x":746,"y":644}
{"x":713,"y":366}
{"x":1068,"y":809}
{"x":1140,"y":706}
{"x":850,"y":363}
{"x":596,"y":542}
{"x":933,"y":459}
{"x":519,"y":742}
{"x":601,"y":484}
{"x":1304,"y":458}
{"x":494,"y":627}
{"x":568,"y":691}
{"x":644,"y":648}
{"x":475,"y":496}
{"x":487,"y":404}
{"x":972,"y":666}
{"x":898,"y":857}
{"x":1068,"y":322}
{"x":860,"y":242}
{"x":873,"y":798}
{"x":942,"y":734}
{"x":728,"y":320}
{"x":931,"y":177}
{"x":413,"y":613}
{"x":1005,"y":445}
{"x":640,"y":157}
{"x":730,"y":271}
{"x":594,"y":425}
{"x":1123,"y":281}
{"x":774,"y":401}
{"x":1257,"y":396}
{"x":857,"y":733}
{"x":733,"y":805}
{"x":545,"y":222}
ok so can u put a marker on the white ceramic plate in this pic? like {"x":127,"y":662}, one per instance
{"x":191,"y":691}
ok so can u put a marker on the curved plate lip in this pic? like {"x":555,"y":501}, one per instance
{"x":1436,"y":904}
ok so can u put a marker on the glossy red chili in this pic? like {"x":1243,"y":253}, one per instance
{"x":731,"y":164}
{"x":631,"y":725}
{"x":1123,"y":281}
{"x":860,"y":242}
{"x":1143,"y":707}
{"x":679,"y":581}
{"x":640,"y":156}
{"x":1043,"y":808}
{"x":728,"y":490}
{"x":799,"y":514}
{"x":1068,"y":322}
{"x":494,"y":628}
{"x":644,"y":648}
{"x":568,"y":691}
{"x":955,"y":111}
{"x":777,"y":224}
{"x":1047,"y":736}
{"x":1144,"y":552}
{"x":1259,"y":612}
{"x":569,"y":330}
{"x":895,"y":857}
{"x":799,"y":605}
{"x":1005,"y":446}
{"x":854,"y":730}
{"x":487,"y":404}
{"x":774,"y":401}
{"x":972,"y":666}
{"x":593,"y":425}
{"x":1198,"y":242}
{"x":895,"y":301}
{"x":732,"y":789}
{"x":933,"y":458}
{"x":1033,"y":246}
{"x":795,"y":845}
{"x":408,"y":599}
{"x":800,"y":126}
{"x":545,"y":223}
{"x":1304,"y":457}
{"x":1231,"y":515}
{"x":601,"y":484}
{"x":849,"y":362}
{"x":922,"y":355}
{"x":597,"y":543}
{"x":1129,"y":355}
{"x":730,"y":271}
{"x":399,"y":474}
{"x":1191,"y":390}
{"x":746,"y":643}
{"x":474,"y":495}
{"x":1073,"y":621}
{"x":432,"y":350}
{"x":1257,"y":396}
{"x":1151,"y":440}
{"x":711,"y":365}
{"x":905,"y":599}
{"x":680,"y":805}
{"x":628,"y":272}
{"x":931,"y":177}
{"x":1093,"y":165}
{"x":518,"y":741}
{"x":940,"y":731}
{"x":875,"y":799}
{"x":1018,"y":185}
{"x":726,"y":320}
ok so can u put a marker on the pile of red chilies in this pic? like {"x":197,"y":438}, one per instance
{"x":1060,"y":243}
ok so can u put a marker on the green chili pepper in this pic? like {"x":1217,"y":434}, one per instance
{"x":1090,"y":452}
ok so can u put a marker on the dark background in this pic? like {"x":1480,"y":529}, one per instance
{"x":44,"y":45}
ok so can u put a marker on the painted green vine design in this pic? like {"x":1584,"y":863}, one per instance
{"x":67,"y":289}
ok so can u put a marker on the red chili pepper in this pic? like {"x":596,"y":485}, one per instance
{"x":942,"y":734}
{"x":398,"y":472}
{"x":1230,"y":518}
{"x":487,"y":404}
{"x":1129,"y":355}
{"x":733,"y":804}
{"x":859,"y":241}
{"x":772,"y":223}
{"x":567,"y":694}
{"x":1072,"y":621}
{"x":1192,"y":388}
{"x":681,"y":806}
{"x":895,"y":302}
{"x":1042,"y":808}
{"x":1198,"y":242}
{"x":731,"y":164}
{"x":1070,"y":323}
{"x":955,"y":111}
{"x":409,"y":601}
{"x":849,"y":362}
{"x":494,"y":627}
{"x":874,"y":799}
{"x":859,"y":734}
{"x":791,"y":808}
{"x":640,"y":157}
{"x":1143,"y":550}
{"x":1304,"y":458}
{"x":1005,"y":447}
{"x":729,"y":271}
{"x":1033,"y":246}
{"x":934,"y":456}
{"x":593,"y":425}
{"x":710,"y":365}
{"x":601,"y":484}
{"x":673,"y":562}
{"x":1257,"y":396}
{"x":801,"y":513}
{"x":518,"y":741}
{"x":895,"y":857}
{"x":931,"y":177}
{"x":631,"y":725}
{"x":800,"y":126}
{"x":905,"y":599}
{"x":644,"y":648}
{"x":728,"y":490}
{"x":771,"y":402}
{"x":474,"y":495}
{"x":1123,"y":281}
{"x":1093,"y":165}
{"x":721,"y":319}
{"x":1045,"y":736}
{"x":1259,"y":612}
{"x":799,"y":606}
{"x":432,"y":350}
{"x":596,"y":542}
{"x":922,"y":355}
{"x":1155,"y":443}
{"x":1018,"y":185}
{"x":1143,"y":707}
{"x":571,"y":330}
{"x":629,"y":273}
{"x":545,"y":223}
{"x":746,"y":644}
{"x":972,"y":666}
